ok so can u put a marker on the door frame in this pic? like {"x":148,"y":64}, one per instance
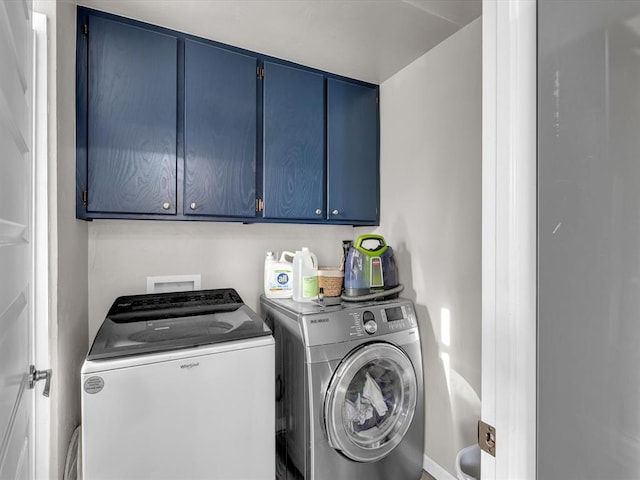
{"x":40,"y":205}
{"x":509,"y":280}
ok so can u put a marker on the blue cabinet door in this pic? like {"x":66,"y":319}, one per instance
{"x":131,"y":126}
{"x":352,"y":152}
{"x":220,"y":132}
{"x":293,"y":168}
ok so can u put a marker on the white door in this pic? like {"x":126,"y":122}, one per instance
{"x":588,"y":240}
{"x":16,"y":275}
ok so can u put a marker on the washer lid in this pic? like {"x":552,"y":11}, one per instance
{"x":370,"y":402}
{"x":141,"y":324}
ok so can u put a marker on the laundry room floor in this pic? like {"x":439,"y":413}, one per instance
{"x":426,"y":476}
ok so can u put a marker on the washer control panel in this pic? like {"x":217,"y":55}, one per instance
{"x":361,"y":321}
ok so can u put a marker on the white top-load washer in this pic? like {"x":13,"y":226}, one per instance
{"x":179,"y":386}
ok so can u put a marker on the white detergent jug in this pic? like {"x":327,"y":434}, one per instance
{"x":278,"y":276}
{"x":305,"y":276}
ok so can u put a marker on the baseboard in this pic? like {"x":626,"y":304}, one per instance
{"x":435,"y":470}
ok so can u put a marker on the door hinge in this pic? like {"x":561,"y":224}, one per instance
{"x":259,"y":205}
{"x":487,"y":438}
{"x":85,"y":197}
{"x":85,"y":29}
{"x":260,"y":72}
{"x":37,"y":375}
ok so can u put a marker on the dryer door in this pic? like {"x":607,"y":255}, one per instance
{"x":370,"y":402}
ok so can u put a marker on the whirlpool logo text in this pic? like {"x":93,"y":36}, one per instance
{"x":190,"y":365}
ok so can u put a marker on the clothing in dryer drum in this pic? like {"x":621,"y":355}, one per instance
{"x":370,"y":402}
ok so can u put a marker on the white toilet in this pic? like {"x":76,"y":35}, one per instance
{"x":468,"y":463}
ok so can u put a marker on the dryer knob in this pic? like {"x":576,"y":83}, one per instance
{"x":371,"y":327}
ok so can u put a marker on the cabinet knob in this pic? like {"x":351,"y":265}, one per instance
{"x":318,"y":212}
{"x":193,"y":205}
{"x":166,"y":205}
{"x":335,"y":212}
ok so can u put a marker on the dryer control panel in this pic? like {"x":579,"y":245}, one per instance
{"x":361,"y":321}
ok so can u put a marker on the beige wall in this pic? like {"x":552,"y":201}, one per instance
{"x":430,"y":205}
{"x":123,"y":253}
{"x":71,"y":284}
{"x":71,"y":240}
{"x":431,"y":215}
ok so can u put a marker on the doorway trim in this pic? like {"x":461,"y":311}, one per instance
{"x":509,"y":287}
{"x":40,"y":212}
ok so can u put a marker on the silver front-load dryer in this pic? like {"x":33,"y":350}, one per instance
{"x":349,"y":390}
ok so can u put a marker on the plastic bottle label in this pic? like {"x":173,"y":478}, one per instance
{"x":309,"y":286}
{"x":278,"y":280}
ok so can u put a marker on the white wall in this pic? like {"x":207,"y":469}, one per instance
{"x":431,"y":215}
{"x":122,"y":253}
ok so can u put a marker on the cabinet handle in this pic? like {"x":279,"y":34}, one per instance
{"x":318,"y":212}
{"x":335,"y":212}
{"x":166,"y":205}
{"x":193,"y":205}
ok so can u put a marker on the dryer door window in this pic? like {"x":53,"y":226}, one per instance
{"x":370,"y":402}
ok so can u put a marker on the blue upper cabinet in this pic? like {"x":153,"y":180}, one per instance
{"x":293,"y":162}
{"x":131,"y":127}
{"x":174,"y":127}
{"x":220,"y":131}
{"x":352,"y":152}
